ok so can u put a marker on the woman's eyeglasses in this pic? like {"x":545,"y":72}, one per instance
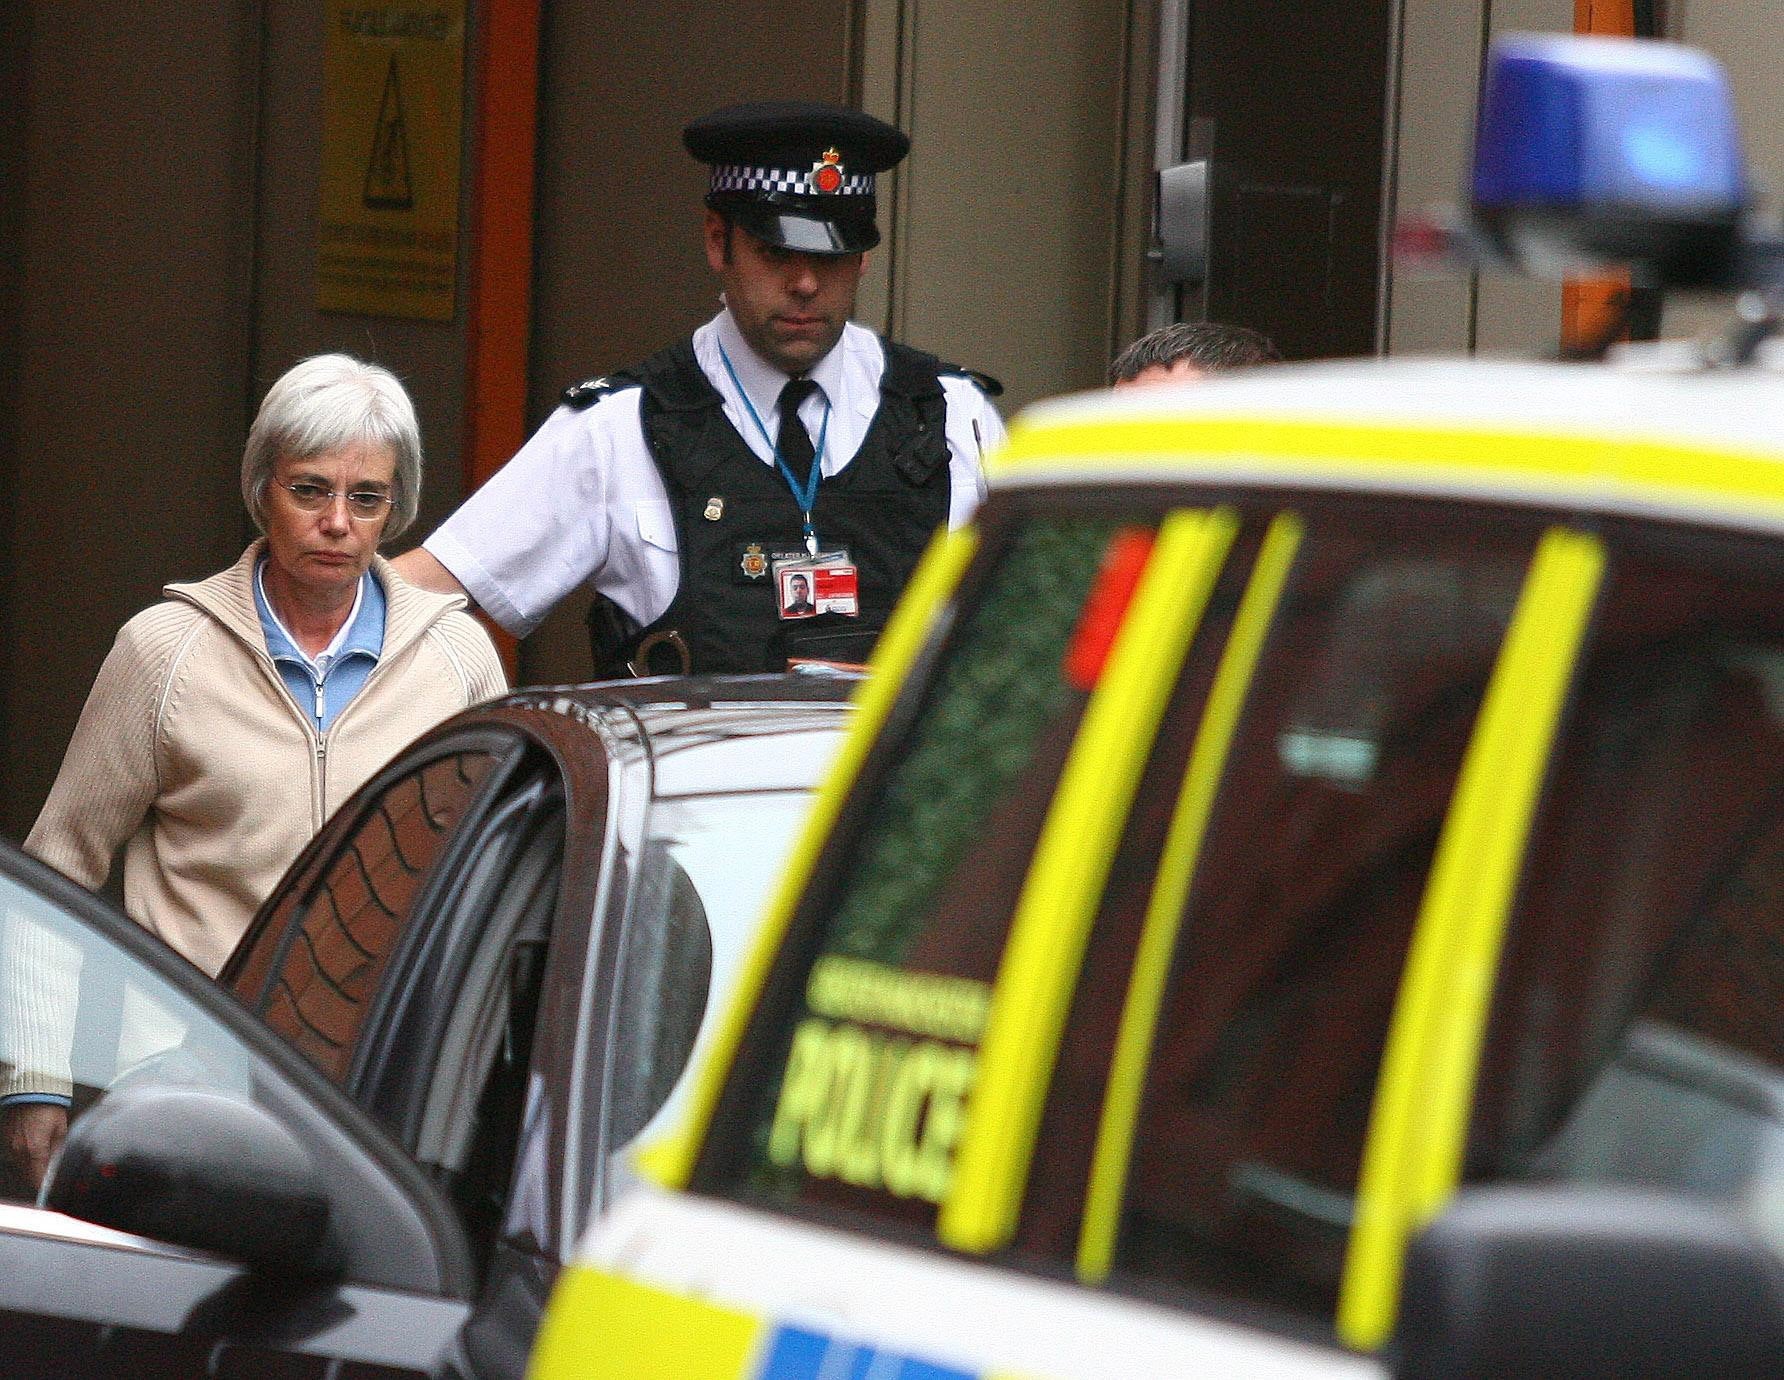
{"x":366,"y":505}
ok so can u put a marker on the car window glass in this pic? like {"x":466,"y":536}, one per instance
{"x":1049,"y":1226}
{"x":315,"y":967}
{"x":81,"y":1019}
{"x":1636,"y":1035}
{"x":1292,"y":940}
{"x":871,"y":1067}
{"x":710,"y":862}
{"x":455,"y":1051}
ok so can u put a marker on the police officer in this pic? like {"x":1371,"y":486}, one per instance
{"x":779,"y":439}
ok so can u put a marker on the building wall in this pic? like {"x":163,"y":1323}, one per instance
{"x":160,"y":226}
{"x":1744,"y":35}
{"x":128,"y":312}
{"x":1010,"y":221}
{"x":157,"y":246}
{"x":15,"y":41}
{"x":1443,"y":43}
{"x":1442,"y":51}
{"x":428,"y":356}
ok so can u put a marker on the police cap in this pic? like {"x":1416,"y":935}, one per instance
{"x":799,"y":174}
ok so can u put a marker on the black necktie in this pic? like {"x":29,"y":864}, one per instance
{"x":794,"y":442}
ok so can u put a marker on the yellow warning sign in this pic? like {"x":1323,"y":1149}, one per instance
{"x":392,"y":115}
{"x":387,"y":182}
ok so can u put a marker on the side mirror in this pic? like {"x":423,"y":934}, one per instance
{"x":196,"y":1168}
{"x":1588,"y":1283}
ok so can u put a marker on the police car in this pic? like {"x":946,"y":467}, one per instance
{"x":1304,"y":891}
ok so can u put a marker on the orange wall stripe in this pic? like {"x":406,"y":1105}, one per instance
{"x":1590,"y":305}
{"x":1604,"y":17}
{"x":498,"y":316}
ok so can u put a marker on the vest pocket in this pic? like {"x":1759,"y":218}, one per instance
{"x":828,"y":638}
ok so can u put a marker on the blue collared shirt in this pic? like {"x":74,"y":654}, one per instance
{"x":325,"y":685}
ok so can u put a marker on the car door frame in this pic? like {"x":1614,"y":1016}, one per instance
{"x":577,"y":739}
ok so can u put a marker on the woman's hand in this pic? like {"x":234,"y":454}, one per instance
{"x":31,"y":1133}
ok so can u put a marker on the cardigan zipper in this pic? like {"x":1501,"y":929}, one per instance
{"x":384,"y":659}
{"x":319,"y":802}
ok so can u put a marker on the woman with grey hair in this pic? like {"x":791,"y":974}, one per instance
{"x":230,"y":720}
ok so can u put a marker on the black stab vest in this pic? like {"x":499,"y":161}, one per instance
{"x":734,"y":514}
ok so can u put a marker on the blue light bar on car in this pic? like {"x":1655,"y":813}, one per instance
{"x":1602,"y":150}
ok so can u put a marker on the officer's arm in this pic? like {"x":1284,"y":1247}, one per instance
{"x":422,"y":567}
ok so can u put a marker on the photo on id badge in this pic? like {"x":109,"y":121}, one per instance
{"x":820,"y":584}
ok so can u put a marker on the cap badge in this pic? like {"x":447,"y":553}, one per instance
{"x":755,"y":561}
{"x":826,"y":173}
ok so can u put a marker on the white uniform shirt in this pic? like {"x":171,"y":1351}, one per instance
{"x":583,"y":499}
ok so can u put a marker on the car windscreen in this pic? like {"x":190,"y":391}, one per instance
{"x":1319,"y":713}
{"x":81,"y":1020}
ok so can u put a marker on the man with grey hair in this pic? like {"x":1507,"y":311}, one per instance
{"x":1190,"y":350}
{"x":230,"y":720}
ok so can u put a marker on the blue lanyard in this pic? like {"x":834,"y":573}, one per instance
{"x":805,"y":496}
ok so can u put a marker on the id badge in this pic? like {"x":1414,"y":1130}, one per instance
{"x":825,"y":583}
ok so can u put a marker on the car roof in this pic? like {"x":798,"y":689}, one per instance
{"x":652,"y":696}
{"x":1694,"y":444}
{"x":702,"y":733}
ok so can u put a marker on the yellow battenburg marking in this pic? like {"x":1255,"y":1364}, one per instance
{"x":1164,"y":912}
{"x":1565,"y":468}
{"x":670,"y":1161}
{"x":1413,"y":1155}
{"x":1058,"y":901}
{"x":600,"y":1327}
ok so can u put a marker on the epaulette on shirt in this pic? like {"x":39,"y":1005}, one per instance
{"x":990,"y":387}
{"x":590,"y":391}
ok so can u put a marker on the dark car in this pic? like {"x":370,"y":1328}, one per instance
{"x":496,"y":957}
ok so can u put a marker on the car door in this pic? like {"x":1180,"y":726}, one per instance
{"x":407,"y":952}
{"x":93,"y":1005}
{"x":436,"y":951}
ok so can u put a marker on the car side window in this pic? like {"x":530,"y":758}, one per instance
{"x":95,"y":1010}
{"x":665,"y":980}
{"x":1290,"y":945}
{"x":872,"y":1058}
{"x":313,"y":964}
{"x":1636,"y":1035}
{"x":80,"y":1020}
{"x":694,"y":914}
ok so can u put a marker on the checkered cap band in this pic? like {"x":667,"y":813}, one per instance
{"x":740,"y":177}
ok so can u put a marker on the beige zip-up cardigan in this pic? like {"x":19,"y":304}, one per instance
{"x":192,"y":750}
